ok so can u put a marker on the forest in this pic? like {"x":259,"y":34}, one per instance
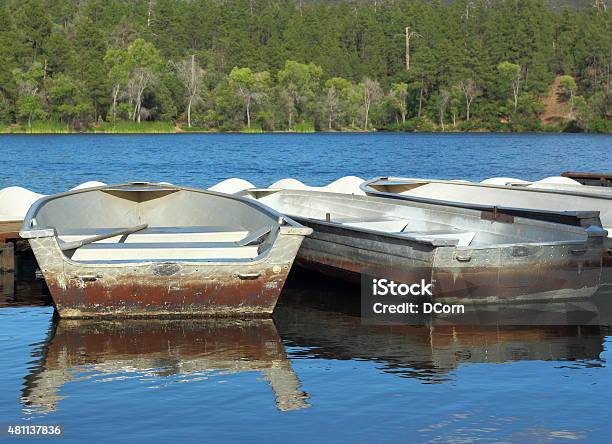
{"x":298,"y":65}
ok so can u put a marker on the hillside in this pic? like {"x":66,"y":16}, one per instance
{"x":260,"y":65}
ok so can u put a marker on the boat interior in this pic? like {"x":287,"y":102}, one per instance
{"x":436,"y":224}
{"x":156,"y":223}
{"x":456,"y":189}
{"x":515,"y":196}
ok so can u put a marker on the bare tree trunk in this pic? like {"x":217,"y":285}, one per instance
{"x":248,"y":112}
{"x":149,"y":14}
{"x":408,"y":48}
{"x":138,"y":105}
{"x":467,"y":108}
{"x":408,"y":35}
{"x":516,"y":87}
{"x":191,"y":90}
{"x":115,"y":95}
{"x":403,"y":117}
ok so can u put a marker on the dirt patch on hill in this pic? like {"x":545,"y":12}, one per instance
{"x":555,"y":110}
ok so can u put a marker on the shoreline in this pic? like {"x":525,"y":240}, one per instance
{"x":155,"y":127}
{"x":382,"y":131}
{"x":146,"y":131}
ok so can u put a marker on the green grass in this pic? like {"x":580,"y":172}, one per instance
{"x":123,"y":127}
{"x":39,"y":128}
{"x":304,"y":127}
{"x":251,"y":130}
{"x":62,"y":128}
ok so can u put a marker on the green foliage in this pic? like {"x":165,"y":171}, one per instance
{"x":5,"y":110}
{"x":30,"y":107}
{"x":567,"y":84}
{"x":46,"y":127}
{"x":69,"y":100}
{"x":249,"y":86}
{"x":300,"y":84}
{"x":304,"y":127}
{"x":276,"y":65}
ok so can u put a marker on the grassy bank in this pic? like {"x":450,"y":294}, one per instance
{"x":105,"y":128}
{"x":38,"y":128}
{"x":123,"y":127}
{"x":414,"y":125}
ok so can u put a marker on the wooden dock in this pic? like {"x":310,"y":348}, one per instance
{"x":9,"y":236}
{"x":592,"y":179}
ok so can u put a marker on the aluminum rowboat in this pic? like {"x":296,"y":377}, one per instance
{"x":469,"y":255}
{"x":145,"y":249}
{"x":520,"y":198}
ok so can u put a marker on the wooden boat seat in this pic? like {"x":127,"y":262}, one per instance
{"x":160,"y":234}
{"x":164,"y":250}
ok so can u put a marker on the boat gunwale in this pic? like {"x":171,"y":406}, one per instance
{"x":576,"y":229}
{"x":365,"y":186}
{"x":289,"y":227}
{"x":546,"y":216}
{"x":35,"y":207}
{"x":433,"y":243}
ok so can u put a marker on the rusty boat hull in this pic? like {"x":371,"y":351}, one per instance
{"x":185,"y":262}
{"x":505,"y":259}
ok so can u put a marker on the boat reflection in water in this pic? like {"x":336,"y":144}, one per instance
{"x":310,"y":322}
{"x":329,"y":326}
{"x":80,"y":350}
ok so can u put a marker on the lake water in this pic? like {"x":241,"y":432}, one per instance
{"x":314,"y":372}
{"x":54,"y":163}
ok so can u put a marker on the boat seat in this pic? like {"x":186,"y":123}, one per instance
{"x":161,"y":234}
{"x":464,"y":238}
{"x":256,"y":237}
{"x":388,"y":225}
{"x":164,"y":251}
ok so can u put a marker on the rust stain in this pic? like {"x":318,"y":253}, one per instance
{"x":186,"y":289}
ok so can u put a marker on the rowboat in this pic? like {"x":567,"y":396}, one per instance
{"x":147,"y":249}
{"x":548,"y":196}
{"x":469,"y":255}
{"x":510,"y":197}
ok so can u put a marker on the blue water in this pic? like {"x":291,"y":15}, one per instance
{"x":54,"y":163}
{"x":316,"y":373}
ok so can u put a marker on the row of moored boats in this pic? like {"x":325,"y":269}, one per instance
{"x":156,"y":249}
